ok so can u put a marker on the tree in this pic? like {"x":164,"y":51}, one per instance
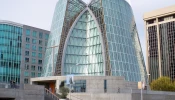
{"x":163,"y":84}
{"x":63,"y":90}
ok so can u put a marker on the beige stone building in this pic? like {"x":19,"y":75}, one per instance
{"x":160,"y":42}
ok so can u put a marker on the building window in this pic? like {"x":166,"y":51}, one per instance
{"x":26,"y":67}
{"x":34,"y":34}
{"x":40,"y":42}
{"x":26,"y":74}
{"x":33,"y":68}
{"x":32,"y":74}
{"x":34,"y":41}
{"x":19,"y":38}
{"x":27,"y":46}
{"x":46,"y":36}
{"x":40,"y":49}
{"x":39,"y":61}
{"x":27,"y":32}
{"x":27,"y":53}
{"x":40,"y":35}
{"x":1,"y":56}
{"x":39,"y":68}
{"x":39,"y":55}
{"x":26,"y":60}
{"x":27,"y":40}
{"x":33,"y":54}
{"x":10,"y":43}
{"x":45,"y":43}
{"x":39,"y":74}
{"x":26,"y":81}
{"x":34,"y":47}
{"x":79,"y":86}
{"x":33,"y":61}
{"x":19,"y":44}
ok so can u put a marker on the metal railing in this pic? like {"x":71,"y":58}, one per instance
{"x":50,"y":94}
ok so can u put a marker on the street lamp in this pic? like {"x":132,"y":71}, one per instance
{"x":143,"y":86}
{"x":148,"y":80}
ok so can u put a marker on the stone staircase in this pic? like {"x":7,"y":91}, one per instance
{"x":48,"y":95}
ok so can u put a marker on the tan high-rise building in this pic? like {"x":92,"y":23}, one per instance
{"x":160,"y":42}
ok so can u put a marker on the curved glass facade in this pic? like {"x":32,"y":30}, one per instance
{"x":54,"y":38}
{"x":10,"y":52}
{"x":97,"y":39}
{"x":84,"y":51}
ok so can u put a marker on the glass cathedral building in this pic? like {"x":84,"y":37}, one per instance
{"x":95,"y":39}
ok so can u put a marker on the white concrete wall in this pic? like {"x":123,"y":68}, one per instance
{"x":152,"y":95}
{"x":100,"y":96}
{"x":28,"y":93}
{"x":94,"y":84}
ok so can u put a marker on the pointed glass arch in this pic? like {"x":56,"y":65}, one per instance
{"x":83,"y":53}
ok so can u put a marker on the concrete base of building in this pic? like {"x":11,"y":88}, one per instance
{"x":29,"y":92}
{"x":35,"y":92}
{"x":93,"y":84}
{"x":147,"y":95}
{"x":103,"y":88}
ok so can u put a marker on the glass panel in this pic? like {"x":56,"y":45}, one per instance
{"x":79,"y":86}
{"x":84,"y":51}
{"x":27,"y":32}
{"x":34,"y":41}
{"x":10,"y":53}
{"x":118,"y":21}
{"x":40,"y":35}
{"x":33,"y":54}
{"x":65,"y":11}
{"x":34,"y":34}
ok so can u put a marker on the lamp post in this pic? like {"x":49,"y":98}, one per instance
{"x":53,"y":48}
{"x":143,"y":86}
{"x":148,"y":81}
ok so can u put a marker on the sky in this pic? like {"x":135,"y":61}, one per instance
{"x":39,"y":13}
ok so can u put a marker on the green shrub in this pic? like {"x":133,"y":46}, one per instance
{"x":163,"y":84}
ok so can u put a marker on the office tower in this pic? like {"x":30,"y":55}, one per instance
{"x":22,"y":50}
{"x":95,"y":39}
{"x":160,"y":39}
